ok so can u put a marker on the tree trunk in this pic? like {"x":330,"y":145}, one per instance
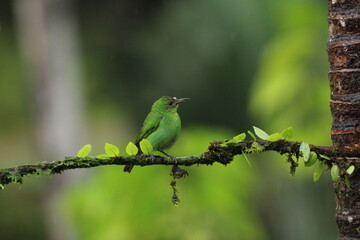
{"x":344,"y":76}
{"x":48,"y":37}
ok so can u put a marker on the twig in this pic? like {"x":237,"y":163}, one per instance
{"x":215,"y":153}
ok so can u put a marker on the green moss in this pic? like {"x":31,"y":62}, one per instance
{"x":255,"y":148}
{"x":43,"y":172}
{"x":14,"y":177}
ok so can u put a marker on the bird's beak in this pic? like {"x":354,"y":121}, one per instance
{"x":180,"y":100}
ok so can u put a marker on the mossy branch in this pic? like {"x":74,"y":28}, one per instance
{"x":217,"y":152}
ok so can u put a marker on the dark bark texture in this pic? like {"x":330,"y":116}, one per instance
{"x":216,"y":154}
{"x":344,"y":76}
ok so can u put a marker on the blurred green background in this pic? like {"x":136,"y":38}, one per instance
{"x":77,"y":72}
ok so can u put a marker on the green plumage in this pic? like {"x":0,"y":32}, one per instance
{"x":162,"y":125}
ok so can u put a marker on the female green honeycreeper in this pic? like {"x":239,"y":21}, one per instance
{"x":161,"y":126}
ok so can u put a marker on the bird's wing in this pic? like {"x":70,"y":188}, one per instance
{"x":150,"y":124}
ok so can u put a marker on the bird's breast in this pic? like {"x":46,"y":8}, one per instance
{"x":167,"y":133}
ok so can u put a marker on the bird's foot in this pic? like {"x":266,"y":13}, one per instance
{"x":152,"y":158}
{"x":175,"y":159}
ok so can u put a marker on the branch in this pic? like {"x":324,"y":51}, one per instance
{"x":216,"y":153}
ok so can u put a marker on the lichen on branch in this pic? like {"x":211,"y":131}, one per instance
{"x":217,"y":152}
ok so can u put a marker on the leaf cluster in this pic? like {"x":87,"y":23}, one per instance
{"x":323,"y":163}
{"x":113,"y":151}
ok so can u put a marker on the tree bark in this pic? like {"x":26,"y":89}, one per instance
{"x":344,"y":76}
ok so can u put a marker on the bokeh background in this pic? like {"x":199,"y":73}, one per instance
{"x":78,"y":72}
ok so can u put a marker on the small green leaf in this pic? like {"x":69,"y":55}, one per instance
{"x":103,"y":156}
{"x":260,"y":133}
{"x":146,"y":146}
{"x":324,"y":157}
{"x":1,"y":187}
{"x":312,"y":159}
{"x":84,"y":151}
{"x":111,"y":150}
{"x":131,"y":149}
{"x":287,"y":133}
{"x":239,"y":138}
{"x":275,"y":137}
{"x":305,"y":150}
{"x":335,"y":172}
{"x":229,"y":143}
{"x":347,"y":182}
{"x":350,"y":169}
{"x":251,"y":134}
{"x":318,"y":171}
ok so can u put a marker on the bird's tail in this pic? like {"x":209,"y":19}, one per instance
{"x":128,"y":168}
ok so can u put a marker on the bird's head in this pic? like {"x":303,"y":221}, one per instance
{"x":169,"y":104}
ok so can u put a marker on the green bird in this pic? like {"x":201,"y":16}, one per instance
{"x":161,"y":126}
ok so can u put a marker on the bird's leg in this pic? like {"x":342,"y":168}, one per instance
{"x":170,"y":156}
{"x":152,"y":158}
